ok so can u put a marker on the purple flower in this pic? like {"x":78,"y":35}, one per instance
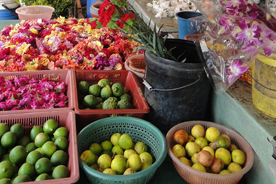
{"x":114,"y":59}
{"x":61,"y":104}
{"x":33,"y":80}
{"x":60,"y":87}
{"x":2,"y":96}
{"x":22,"y":81}
{"x":11,"y":102}
{"x":48,"y":105}
{"x":53,"y":97}
{"x":62,"y":97}
{"x":46,"y":84}
{"x":25,"y":101}
{"x":22,"y":90}
{"x":28,"y":107}
{"x":35,"y":104}
{"x":3,"y":106}
{"x":9,"y":83}
{"x":236,"y":70}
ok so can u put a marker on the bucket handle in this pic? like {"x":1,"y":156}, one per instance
{"x":150,"y":88}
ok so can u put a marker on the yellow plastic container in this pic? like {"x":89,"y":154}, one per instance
{"x":264,"y":85}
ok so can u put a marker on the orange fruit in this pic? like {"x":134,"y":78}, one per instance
{"x":180,"y":137}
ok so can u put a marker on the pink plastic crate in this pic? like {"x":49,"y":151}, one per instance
{"x":53,"y":75}
{"x":65,"y":118}
{"x":126,"y":78}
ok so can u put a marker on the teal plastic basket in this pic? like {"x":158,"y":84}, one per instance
{"x":139,"y":130}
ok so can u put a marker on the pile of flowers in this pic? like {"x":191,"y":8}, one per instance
{"x":238,"y":31}
{"x":62,"y":44}
{"x":163,"y":9}
{"x":21,"y":93}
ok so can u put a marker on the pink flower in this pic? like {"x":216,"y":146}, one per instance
{"x":61,"y":104}
{"x":236,"y":70}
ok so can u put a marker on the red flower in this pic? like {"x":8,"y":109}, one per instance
{"x":93,"y":24}
{"x":125,"y":17}
{"x":131,"y":16}
{"x":120,"y":24}
{"x":110,"y":10}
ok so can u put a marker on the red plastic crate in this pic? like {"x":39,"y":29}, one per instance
{"x":65,"y":118}
{"x":53,"y":75}
{"x":126,"y":78}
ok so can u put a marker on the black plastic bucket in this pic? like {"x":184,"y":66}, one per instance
{"x":180,"y":91}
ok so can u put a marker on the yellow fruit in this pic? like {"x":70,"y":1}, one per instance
{"x":118,"y":164}
{"x":125,"y":141}
{"x":88,"y":157}
{"x":180,"y":137}
{"x":193,"y":158}
{"x":114,"y":139}
{"x":96,"y":148}
{"x":198,"y":131}
{"x":129,"y":152}
{"x":191,"y":148}
{"x":234,"y":167}
{"x":134,"y":162}
{"x":104,"y":161}
{"x":191,"y":138}
{"x":109,"y":171}
{"x":106,"y":145}
{"x":225,"y":171}
{"x":232,"y":147}
{"x":212,"y":134}
{"x":208,"y":148}
{"x":238,"y":156}
{"x":224,"y":155}
{"x":178,"y":150}
{"x":146,"y":160}
{"x":140,"y":147}
{"x":199,"y":167}
{"x":129,"y":171}
{"x":202,"y":142}
{"x":185,"y":161}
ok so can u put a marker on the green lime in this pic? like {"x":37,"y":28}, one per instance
{"x":8,"y":140}
{"x":18,"y":155}
{"x":18,"y":129}
{"x":90,"y":101}
{"x":95,"y":148}
{"x":52,"y":138}
{"x":2,"y":151}
{"x":39,"y":150}
{"x":62,"y":143}
{"x":43,"y":176}
{"x":95,"y":90}
{"x":48,"y":148}
{"x":61,"y":132}
{"x":27,"y":169}
{"x":21,"y":178}
{"x":34,"y":131}
{"x":33,"y":157}
{"x":106,"y":92}
{"x":126,"y":96}
{"x":5,"y":157}
{"x":60,"y":157}
{"x":30,"y":147}
{"x":5,"y":181}
{"x":7,"y":169}
{"x":24,"y":140}
{"x":110,"y":103}
{"x":3,"y":129}
{"x":41,"y":138}
{"x":60,"y":171}
{"x":124,"y":104}
{"x":117,"y":89}
{"x":103,"y":82}
{"x":83,"y":87}
{"x":43,"y":165}
{"x":50,"y":126}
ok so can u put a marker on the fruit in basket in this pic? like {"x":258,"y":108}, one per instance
{"x":202,"y":142}
{"x":50,"y":126}
{"x":7,"y":169}
{"x":88,"y":157}
{"x":95,"y":90}
{"x":18,"y":129}
{"x":223,"y":141}
{"x":41,"y":138}
{"x":90,"y":101}
{"x":224,"y":171}
{"x":34,"y":131}
{"x":110,"y":103}
{"x":134,"y":162}
{"x":140,"y":147}
{"x":238,"y":156}
{"x":106,"y":145}
{"x":193,"y":158}
{"x":118,"y":164}
{"x":180,"y":137}
{"x":191,"y":148}
{"x":114,"y":139}
{"x":233,"y":147}
{"x":21,"y":179}
{"x":205,"y":158}
{"x":27,"y":169}
{"x":106,"y":92}
{"x":5,"y":181}
{"x":103,"y":82}
{"x":109,"y":171}
{"x":83,"y":87}
{"x":217,"y":165}
{"x":126,"y":96}
{"x":117,"y":89}
{"x":125,"y":141}
{"x":124,"y":104}
{"x":212,"y":134}
{"x":224,"y":155}
{"x":33,"y":156}
{"x":129,"y":152}
{"x":43,"y":165}
{"x":43,"y":176}
{"x":60,"y":171}
{"x":8,"y":140}
{"x":186,"y":161}
{"x":96,"y":148}
{"x":199,"y":167}
{"x":198,"y":131}
{"x":208,"y":148}
{"x":3,"y":129}
{"x":234,"y":167}
{"x":48,"y":148}
{"x":104,"y":161}
{"x":117,"y":150}
{"x":146,"y":160}
{"x":24,"y":140}
{"x":129,"y":171}
{"x":62,"y":143}
{"x":178,"y":150}
{"x":61,"y":132}
{"x":59,"y":157}
{"x":18,"y":155}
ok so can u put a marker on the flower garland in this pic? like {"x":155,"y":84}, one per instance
{"x":62,"y":44}
{"x":163,"y":9}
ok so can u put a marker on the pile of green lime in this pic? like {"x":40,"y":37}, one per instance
{"x":39,"y":155}
{"x":104,"y":95}
{"x":118,"y":156}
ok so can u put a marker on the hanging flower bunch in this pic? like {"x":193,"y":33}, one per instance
{"x":238,"y":31}
{"x":62,"y":44}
